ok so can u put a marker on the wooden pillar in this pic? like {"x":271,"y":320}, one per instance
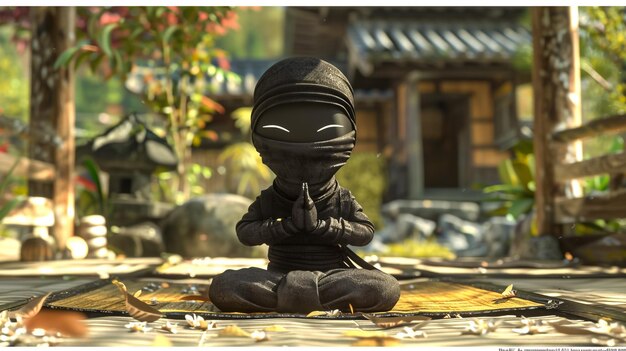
{"x":415,"y":151}
{"x":52,"y":112}
{"x":556,"y":86}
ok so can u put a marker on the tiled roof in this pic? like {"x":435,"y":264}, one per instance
{"x":241,"y":84}
{"x":424,"y":41}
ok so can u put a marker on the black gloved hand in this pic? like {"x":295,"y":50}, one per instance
{"x":303,"y":212}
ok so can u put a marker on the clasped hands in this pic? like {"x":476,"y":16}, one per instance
{"x":303,"y":214}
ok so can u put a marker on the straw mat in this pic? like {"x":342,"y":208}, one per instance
{"x":431,"y":297}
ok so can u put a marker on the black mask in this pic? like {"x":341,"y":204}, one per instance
{"x":313,"y":162}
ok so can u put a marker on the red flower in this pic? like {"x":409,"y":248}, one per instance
{"x":109,"y":17}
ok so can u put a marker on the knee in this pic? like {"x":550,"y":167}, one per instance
{"x":223,"y":287}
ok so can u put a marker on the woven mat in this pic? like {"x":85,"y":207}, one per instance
{"x":430,"y":297}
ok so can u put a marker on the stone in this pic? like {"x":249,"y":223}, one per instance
{"x":205,"y":226}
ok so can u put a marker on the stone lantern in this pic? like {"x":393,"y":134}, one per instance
{"x":131,"y":154}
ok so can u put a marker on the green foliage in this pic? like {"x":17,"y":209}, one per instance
{"x":261,"y":35}
{"x":14,"y":97}
{"x":416,"y":249}
{"x":246,"y":174}
{"x":603,"y":50}
{"x":517,"y":191}
{"x":8,"y":206}
{"x":91,"y":202}
{"x":195,"y":175}
{"x":177,"y":46}
{"x":365,"y":176}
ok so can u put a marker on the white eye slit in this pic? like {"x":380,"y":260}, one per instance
{"x":330,"y":126}
{"x":276,"y":126}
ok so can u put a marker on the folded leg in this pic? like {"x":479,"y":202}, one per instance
{"x":245,"y":290}
{"x":365,"y":290}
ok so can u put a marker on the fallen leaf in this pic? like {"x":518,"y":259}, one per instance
{"x":507,"y":294}
{"x":332,"y":313}
{"x":68,"y":323}
{"x":358,"y":333}
{"x":376,"y":341}
{"x":170,"y":327}
{"x":136,"y":308}
{"x":195,"y":298}
{"x":161,"y":341}
{"x":351,"y":308}
{"x":390,"y":322}
{"x":32,"y":307}
{"x":275,"y":328}
{"x":233,"y":331}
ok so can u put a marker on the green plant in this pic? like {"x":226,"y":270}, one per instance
{"x":174,"y":47}
{"x":245,"y":172}
{"x":413,"y":248}
{"x":365,"y":176}
{"x":89,"y":202}
{"x":8,"y":206}
{"x":517,"y":190}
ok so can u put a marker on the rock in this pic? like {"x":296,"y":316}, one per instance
{"x":499,"y":233}
{"x":465,"y":238}
{"x":205,"y":226}
{"x":140,"y":240}
{"x":533,"y":247}
{"x":406,"y":226}
{"x":432,"y":209}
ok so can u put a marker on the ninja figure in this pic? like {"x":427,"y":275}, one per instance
{"x":303,"y":125}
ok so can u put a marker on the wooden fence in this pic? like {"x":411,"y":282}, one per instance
{"x":608,"y":205}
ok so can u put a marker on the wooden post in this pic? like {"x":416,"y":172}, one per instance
{"x":556,"y":86}
{"x":52,"y":112}
{"x":415,"y":151}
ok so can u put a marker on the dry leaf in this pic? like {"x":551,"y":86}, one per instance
{"x":136,"y":308}
{"x":161,"y":341}
{"x":332,"y":313}
{"x":68,"y":323}
{"x":375,"y":341}
{"x":358,"y":333}
{"x":275,"y":328}
{"x":507,"y":294}
{"x":390,"y":322}
{"x":137,"y":293}
{"x":351,"y":308}
{"x":170,"y":327}
{"x":233,"y":331}
{"x":32,"y":307}
{"x":195,"y":298}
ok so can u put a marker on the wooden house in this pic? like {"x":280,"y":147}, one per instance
{"x":435,"y":88}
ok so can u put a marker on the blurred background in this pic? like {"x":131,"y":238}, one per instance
{"x":125,"y":131}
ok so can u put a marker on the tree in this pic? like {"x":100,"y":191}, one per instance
{"x":177,"y":45}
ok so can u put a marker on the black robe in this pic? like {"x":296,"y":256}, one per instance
{"x":307,"y":271}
